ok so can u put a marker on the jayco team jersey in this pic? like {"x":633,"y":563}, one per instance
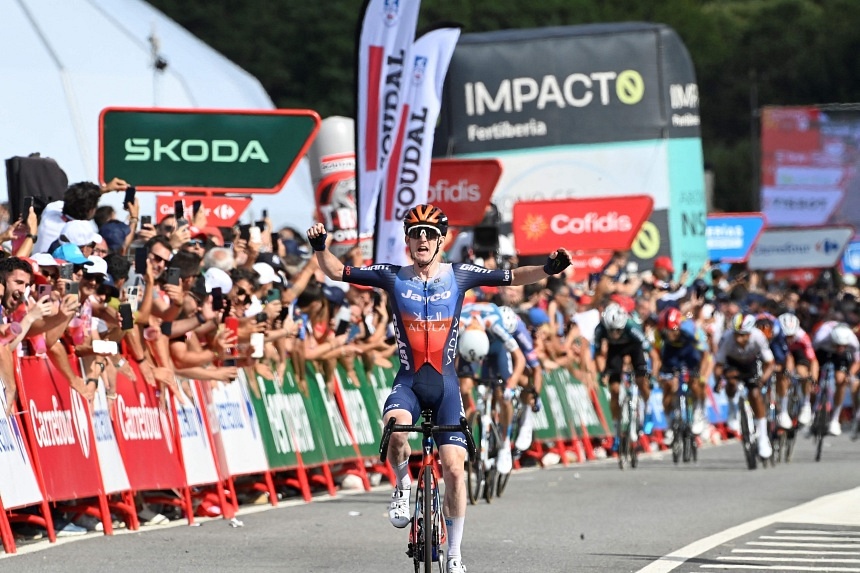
{"x":426,"y":314}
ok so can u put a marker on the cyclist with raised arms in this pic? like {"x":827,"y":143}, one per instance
{"x":772,"y":330}
{"x":498,"y":363}
{"x":426,"y":298}
{"x":616,"y":337}
{"x":835,"y":343}
{"x":801,"y":360}
{"x":744,"y":356}
{"x":679,"y":348}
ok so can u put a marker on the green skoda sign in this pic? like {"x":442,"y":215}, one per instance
{"x":236,"y":151}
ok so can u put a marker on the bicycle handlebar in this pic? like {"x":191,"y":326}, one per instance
{"x":427,"y":430}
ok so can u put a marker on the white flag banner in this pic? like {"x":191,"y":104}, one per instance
{"x":408,"y":173}
{"x":386,"y":36}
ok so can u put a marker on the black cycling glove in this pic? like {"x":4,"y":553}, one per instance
{"x":558,"y":264}
{"x":318,"y":243}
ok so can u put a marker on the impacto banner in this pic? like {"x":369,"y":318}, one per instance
{"x":793,"y":248}
{"x":386,"y":35}
{"x":408,"y":176}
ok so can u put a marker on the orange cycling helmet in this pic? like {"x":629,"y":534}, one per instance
{"x":428,"y":216}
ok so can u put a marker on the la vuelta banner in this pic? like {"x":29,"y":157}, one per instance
{"x":579,"y":224}
{"x":408,"y":176}
{"x":385,"y":37}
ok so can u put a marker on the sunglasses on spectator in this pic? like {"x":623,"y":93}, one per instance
{"x":195,"y":242}
{"x":168,"y":228}
{"x":157,"y":258}
{"x":99,"y":279}
{"x":419,"y":232}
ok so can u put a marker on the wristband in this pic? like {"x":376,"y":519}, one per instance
{"x":318,"y":243}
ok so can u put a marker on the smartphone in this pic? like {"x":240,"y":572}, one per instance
{"x":228,"y":305}
{"x":145,"y":220}
{"x":684,"y":268}
{"x":140,"y":255}
{"x":66,"y":270}
{"x":217,"y":299}
{"x":104,"y":347}
{"x":166,"y":328}
{"x":173,"y":276}
{"x":265,"y":213}
{"x":228,"y":245}
{"x":275,"y":238}
{"x":43,"y":291}
{"x":25,"y":209}
{"x":245,"y":232}
{"x":178,"y":209}
{"x":195,"y":207}
{"x":73,"y":288}
{"x":231,"y":323}
{"x":129,"y":196}
{"x":229,"y":363}
{"x":254,"y":235}
{"x":126,"y":317}
{"x":273,"y":295}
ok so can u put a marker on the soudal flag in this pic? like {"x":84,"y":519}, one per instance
{"x":407,"y":177}
{"x":385,"y":38}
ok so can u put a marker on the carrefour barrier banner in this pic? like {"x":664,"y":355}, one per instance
{"x":731,"y":236}
{"x":59,"y":420}
{"x":114,"y":476}
{"x":146,"y":436}
{"x":18,"y":485}
{"x":810,"y":248}
{"x":238,"y":425}
{"x":197,"y":451}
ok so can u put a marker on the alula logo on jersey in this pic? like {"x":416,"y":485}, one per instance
{"x":194,"y":150}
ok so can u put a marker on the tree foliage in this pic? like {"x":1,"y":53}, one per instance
{"x":747,"y":53}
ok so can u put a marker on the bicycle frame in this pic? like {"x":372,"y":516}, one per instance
{"x":628,"y":428}
{"x":423,"y":547}
{"x":683,"y":442}
{"x":824,"y":392}
{"x":481,"y":476}
{"x":748,"y":429}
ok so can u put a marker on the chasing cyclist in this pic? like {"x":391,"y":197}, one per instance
{"x":801,"y":360}
{"x":504,"y":361}
{"x":835,"y":343}
{"x":679,"y":349}
{"x":426,"y":298}
{"x":772,"y":330}
{"x":744,"y":356}
{"x":616,"y":337}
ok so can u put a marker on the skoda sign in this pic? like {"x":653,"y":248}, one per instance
{"x":225,"y":151}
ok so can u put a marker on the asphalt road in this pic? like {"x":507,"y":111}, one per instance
{"x":583,"y":517}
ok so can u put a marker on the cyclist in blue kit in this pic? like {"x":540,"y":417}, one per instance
{"x":426,"y":299}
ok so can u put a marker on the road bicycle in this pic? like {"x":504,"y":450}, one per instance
{"x":520,"y":412}
{"x":481,"y":473}
{"x":427,"y":532}
{"x":784,"y":444}
{"x":748,"y":430}
{"x":627,"y":435}
{"x":823,"y":390}
{"x":771,"y":405}
{"x":684,"y":445}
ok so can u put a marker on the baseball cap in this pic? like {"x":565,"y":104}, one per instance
{"x":71,"y":254}
{"x":271,"y":259}
{"x":44,"y":260}
{"x":216,"y":278}
{"x":267,"y":273}
{"x":97,"y":266}
{"x":664,"y":263}
{"x":114,"y":233}
{"x":79,"y":233}
{"x":538,"y":317}
{"x":334,"y":295}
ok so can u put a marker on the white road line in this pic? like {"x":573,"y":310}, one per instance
{"x":771,"y":559}
{"x":792,"y":544}
{"x":781,"y":568}
{"x":795,"y":552}
{"x":815,"y":532}
{"x":809,"y":538}
{"x":836,"y":509}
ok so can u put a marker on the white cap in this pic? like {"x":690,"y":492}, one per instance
{"x":849,"y":279}
{"x":98,"y":266}
{"x":707,"y":311}
{"x":216,"y":278}
{"x":44,"y":260}
{"x":80,"y":233}
{"x":267,"y":273}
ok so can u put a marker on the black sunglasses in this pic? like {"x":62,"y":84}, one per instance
{"x":418,"y":232}
{"x":97,"y":278}
{"x":157,"y":258}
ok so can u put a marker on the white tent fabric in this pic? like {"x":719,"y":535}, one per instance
{"x":66,"y":60}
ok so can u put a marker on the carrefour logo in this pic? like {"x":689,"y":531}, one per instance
{"x":575,"y":90}
{"x":194,"y":150}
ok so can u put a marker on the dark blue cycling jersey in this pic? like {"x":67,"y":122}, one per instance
{"x":426,"y":314}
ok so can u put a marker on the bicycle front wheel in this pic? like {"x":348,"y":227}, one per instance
{"x":429,"y":519}
{"x":819,"y":423}
{"x":746,"y":437}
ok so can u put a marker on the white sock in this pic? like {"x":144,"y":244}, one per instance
{"x":837,"y":410}
{"x":807,"y":401}
{"x":404,"y":480}
{"x":524,"y":438}
{"x":455,"y":534}
{"x":761,"y":428}
{"x":783,"y":404}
